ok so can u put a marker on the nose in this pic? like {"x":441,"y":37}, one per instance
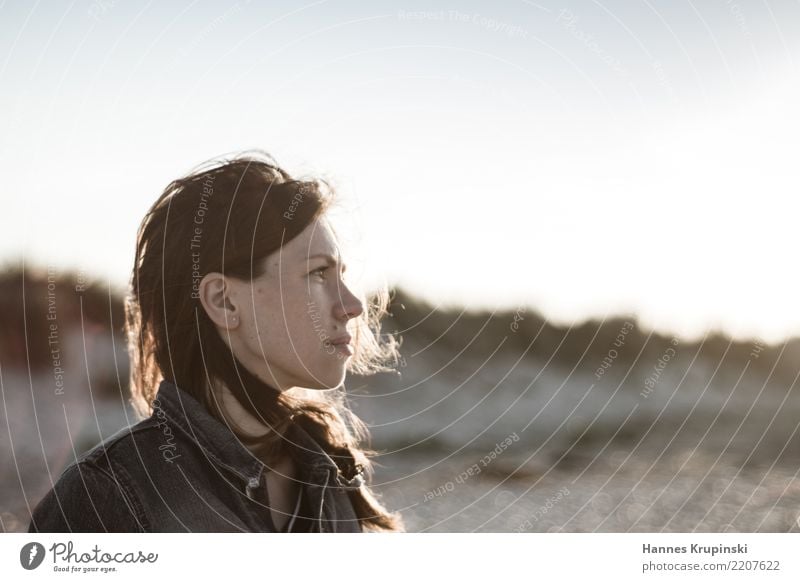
{"x":349,"y":306}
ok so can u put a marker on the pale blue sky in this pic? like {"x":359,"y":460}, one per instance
{"x":583,"y":158}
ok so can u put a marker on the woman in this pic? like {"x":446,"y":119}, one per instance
{"x":239,"y":326}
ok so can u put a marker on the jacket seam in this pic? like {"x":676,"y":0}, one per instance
{"x":123,"y":484}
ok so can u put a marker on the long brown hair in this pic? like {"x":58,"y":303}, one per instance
{"x":226,"y":216}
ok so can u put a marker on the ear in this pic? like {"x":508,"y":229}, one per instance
{"x":220,"y":300}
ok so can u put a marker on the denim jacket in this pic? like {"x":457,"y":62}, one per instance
{"x":183,"y":470}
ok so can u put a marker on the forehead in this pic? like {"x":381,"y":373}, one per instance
{"x":317,"y":238}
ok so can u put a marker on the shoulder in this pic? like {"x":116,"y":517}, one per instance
{"x":87,"y":499}
{"x":118,"y":446}
{"x":92,"y":493}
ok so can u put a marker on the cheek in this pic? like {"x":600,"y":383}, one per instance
{"x":292,"y":323}
{"x":267,"y":321}
{"x":299,"y":324}
{"x":312,"y":310}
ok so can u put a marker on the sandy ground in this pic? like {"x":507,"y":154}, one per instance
{"x":681,"y":492}
{"x":721,"y":472}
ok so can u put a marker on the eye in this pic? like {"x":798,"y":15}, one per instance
{"x":321,"y":272}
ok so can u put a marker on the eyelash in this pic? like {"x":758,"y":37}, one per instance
{"x":322,"y":269}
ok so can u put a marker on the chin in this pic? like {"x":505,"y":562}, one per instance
{"x":321,"y":383}
{"x":321,"y":388}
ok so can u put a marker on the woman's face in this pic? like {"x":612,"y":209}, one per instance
{"x":288,"y":317}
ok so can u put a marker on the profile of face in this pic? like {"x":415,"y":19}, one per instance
{"x":289,"y":327}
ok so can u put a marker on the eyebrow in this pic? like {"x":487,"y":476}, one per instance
{"x":330,"y":259}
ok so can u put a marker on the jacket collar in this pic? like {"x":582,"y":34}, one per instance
{"x":223,"y":447}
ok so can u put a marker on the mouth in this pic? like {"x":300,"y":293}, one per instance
{"x":341,"y":340}
{"x":341,"y":344}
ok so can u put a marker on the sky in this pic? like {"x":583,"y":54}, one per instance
{"x":584,"y":159}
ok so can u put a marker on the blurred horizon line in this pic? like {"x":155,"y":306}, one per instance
{"x":36,"y":269}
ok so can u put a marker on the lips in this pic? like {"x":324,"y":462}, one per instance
{"x":341,"y":340}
